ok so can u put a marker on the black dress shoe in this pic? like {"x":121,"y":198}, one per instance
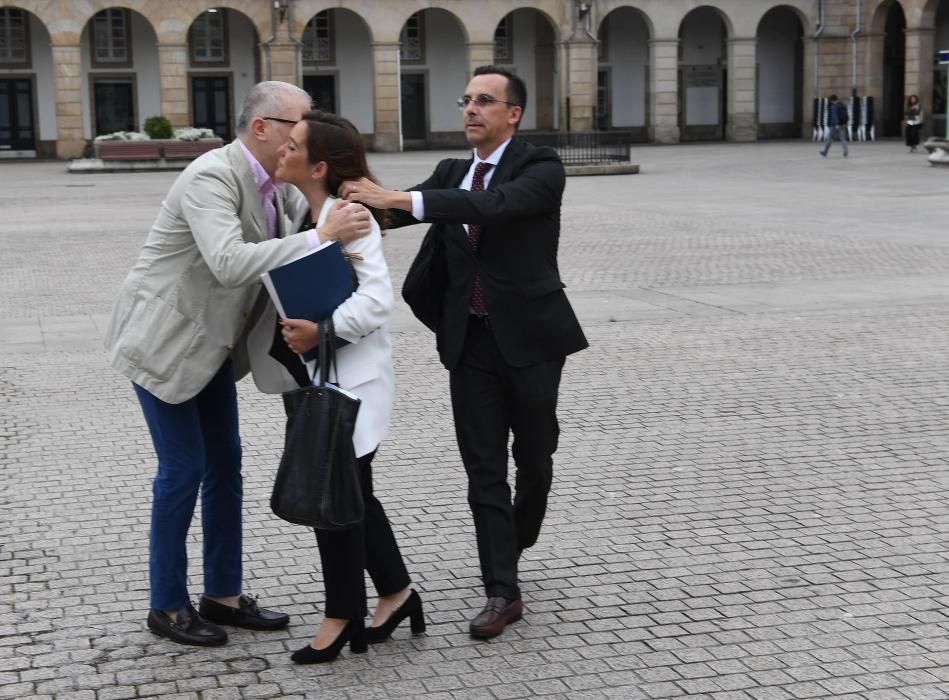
{"x":411,"y":608}
{"x":188,"y":627}
{"x":248,"y":615}
{"x":354,"y":632}
{"x":497,"y":614}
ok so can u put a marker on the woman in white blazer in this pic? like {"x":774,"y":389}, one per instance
{"x":323,"y":151}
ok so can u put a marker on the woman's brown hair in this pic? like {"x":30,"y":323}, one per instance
{"x":334,"y":140}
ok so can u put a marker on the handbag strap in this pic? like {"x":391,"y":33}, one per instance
{"x":327,"y":351}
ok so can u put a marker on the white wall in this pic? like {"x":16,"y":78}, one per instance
{"x":701,"y":45}
{"x":243,"y":44}
{"x":525,"y":64}
{"x":627,"y":47}
{"x":354,"y":63}
{"x":446,"y":62}
{"x":43,"y":82}
{"x":777,"y":36}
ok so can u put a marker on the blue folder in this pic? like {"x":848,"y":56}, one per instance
{"x":312,"y":286}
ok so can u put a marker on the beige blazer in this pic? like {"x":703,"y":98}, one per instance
{"x":365,"y":365}
{"x":182,"y":309}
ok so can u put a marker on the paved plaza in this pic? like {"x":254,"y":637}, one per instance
{"x":751,"y":495}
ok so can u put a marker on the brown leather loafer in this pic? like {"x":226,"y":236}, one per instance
{"x":497,"y":614}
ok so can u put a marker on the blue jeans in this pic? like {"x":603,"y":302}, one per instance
{"x":841,"y":133}
{"x":198,"y":447}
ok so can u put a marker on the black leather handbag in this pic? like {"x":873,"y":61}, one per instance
{"x":317,"y":483}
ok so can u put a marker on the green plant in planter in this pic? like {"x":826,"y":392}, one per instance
{"x":158,"y":127}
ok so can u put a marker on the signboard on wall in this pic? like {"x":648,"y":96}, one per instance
{"x":702,"y":76}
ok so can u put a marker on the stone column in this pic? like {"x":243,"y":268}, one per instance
{"x":67,"y":75}
{"x":480,"y":53}
{"x":173,"y":77}
{"x":664,"y":90}
{"x":285,"y":62}
{"x":920,"y":49}
{"x":742,"y":93}
{"x":808,"y":86}
{"x":581,"y":69}
{"x":388,"y":96}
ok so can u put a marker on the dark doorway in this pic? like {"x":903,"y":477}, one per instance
{"x":322,"y":89}
{"x":413,"y":106}
{"x":894,"y":59}
{"x":16,"y":115}
{"x":114,"y":100}
{"x":211,"y":102}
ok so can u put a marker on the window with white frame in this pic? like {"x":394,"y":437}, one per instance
{"x":412,"y":40}
{"x":111,"y":38}
{"x":208,"y":38}
{"x":318,"y":45}
{"x":14,"y":38}
{"x":503,"y":37}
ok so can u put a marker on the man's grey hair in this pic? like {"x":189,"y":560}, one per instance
{"x":268,"y":99}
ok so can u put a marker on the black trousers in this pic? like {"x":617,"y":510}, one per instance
{"x":371,"y":546}
{"x":490,"y":401}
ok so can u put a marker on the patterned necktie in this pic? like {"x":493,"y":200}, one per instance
{"x":478,"y":307}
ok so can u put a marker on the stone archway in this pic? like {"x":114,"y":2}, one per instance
{"x":223,"y":65}
{"x":433,"y":64}
{"x":703,"y":75}
{"x":780,"y":73}
{"x":623,"y":72}
{"x":27,"y":87}
{"x":525,"y":40}
{"x":121,"y":82}
{"x":337,"y":66}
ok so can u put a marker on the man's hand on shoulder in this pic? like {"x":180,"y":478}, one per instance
{"x":345,"y":222}
{"x":369,"y":193}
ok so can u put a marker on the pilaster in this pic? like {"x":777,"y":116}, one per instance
{"x":480,"y":53}
{"x":742,"y":98}
{"x":581,"y":69}
{"x":173,"y":77}
{"x":67,"y":75}
{"x":664,"y":89}
{"x":387,"y":98}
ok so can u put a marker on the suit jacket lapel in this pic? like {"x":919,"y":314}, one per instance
{"x":249,"y":193}
{"x":505,"y":168}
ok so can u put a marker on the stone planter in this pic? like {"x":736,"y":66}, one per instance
{"x":128,"y":150}
{"x":170,"y":149}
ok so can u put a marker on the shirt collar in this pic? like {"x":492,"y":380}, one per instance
{"x":265,"y":183}
{"x":495,"y":157}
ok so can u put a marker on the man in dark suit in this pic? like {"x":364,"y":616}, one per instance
{"x":504,"y":325}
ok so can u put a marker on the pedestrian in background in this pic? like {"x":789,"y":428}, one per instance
{"x":914,"y":122}
{"x":837,"y":120}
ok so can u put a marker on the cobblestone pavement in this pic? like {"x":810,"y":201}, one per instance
{"x":750,"y":496}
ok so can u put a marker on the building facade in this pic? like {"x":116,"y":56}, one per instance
{"x":661,"y":70}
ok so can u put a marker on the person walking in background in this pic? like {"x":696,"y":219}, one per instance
{"x":504,"y":325}
{"x":914,"y":122}
{"x":322,"y":151}
{"x":837,"y":121}
{"x":175,"y":332}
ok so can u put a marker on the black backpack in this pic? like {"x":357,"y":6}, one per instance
{"x":843,"y":115}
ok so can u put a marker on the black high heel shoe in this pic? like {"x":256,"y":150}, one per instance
{"x":411,"y":608}
{"x":354,"y":632}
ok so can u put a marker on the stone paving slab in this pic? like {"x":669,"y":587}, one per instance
{"x":750,"y":492}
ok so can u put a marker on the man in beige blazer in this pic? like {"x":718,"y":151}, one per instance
{"x":176,"y":333}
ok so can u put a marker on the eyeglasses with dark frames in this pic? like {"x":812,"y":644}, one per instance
{"x":481,"y":100}
{"x":291,"y":122}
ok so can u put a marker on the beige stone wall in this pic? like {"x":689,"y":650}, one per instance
{"x":836,"y":62}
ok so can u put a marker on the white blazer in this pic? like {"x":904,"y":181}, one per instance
{"x":365,"y":365}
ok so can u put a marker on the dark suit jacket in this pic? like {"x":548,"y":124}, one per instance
{"x":530,"y":316}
